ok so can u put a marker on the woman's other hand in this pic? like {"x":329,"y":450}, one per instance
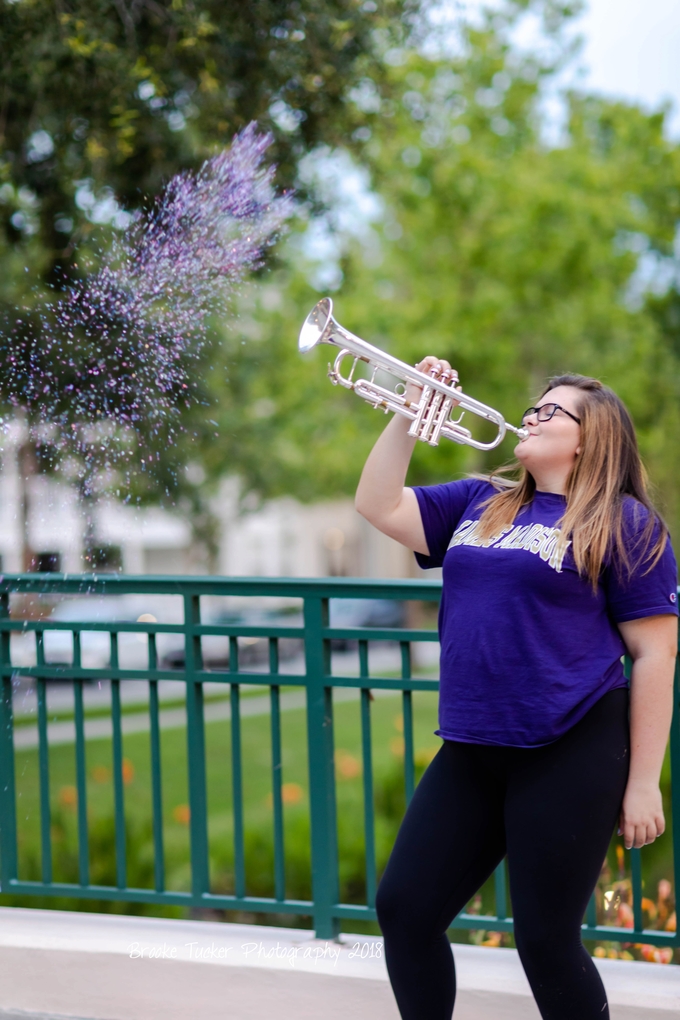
{"x":652,"y":643}
{"x":642,"y":818}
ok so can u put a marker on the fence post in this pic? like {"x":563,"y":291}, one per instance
{"x":198,"y":801}
{"x":675,"y":779}
{"x":325,"y":887}
{"x":8,"y":814}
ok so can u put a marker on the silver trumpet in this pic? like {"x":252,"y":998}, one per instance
{"x":431,"y":415}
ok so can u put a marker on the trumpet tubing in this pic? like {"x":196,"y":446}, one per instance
{"x":431,"y":415}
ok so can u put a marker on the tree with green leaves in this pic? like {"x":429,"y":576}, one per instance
{"x":101,"y":101}
{"x":512,"y":256}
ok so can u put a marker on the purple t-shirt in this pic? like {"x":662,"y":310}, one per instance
{"x":527,"y":647}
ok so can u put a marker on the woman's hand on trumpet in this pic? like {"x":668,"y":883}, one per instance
{"x":440,"y":371}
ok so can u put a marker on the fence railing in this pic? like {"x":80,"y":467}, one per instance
{"x":314,"y":634}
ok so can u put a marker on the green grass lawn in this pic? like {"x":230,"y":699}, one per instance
{"x":257,"y":797}
{"x":212,"y":696}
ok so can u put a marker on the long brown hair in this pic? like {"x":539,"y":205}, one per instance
{"x":607,"y":470}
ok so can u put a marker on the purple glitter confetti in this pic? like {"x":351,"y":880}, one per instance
{"x":116,"y":346}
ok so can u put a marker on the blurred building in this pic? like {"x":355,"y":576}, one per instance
{"x":44,"y":525}
{"x":287,"y":538}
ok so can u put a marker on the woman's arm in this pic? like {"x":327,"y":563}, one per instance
{"x":381,"y":496}
{"x":652,"y":644}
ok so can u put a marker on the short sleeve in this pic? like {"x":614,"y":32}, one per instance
{"x":441,"y":509}
{"x":643,"y":591}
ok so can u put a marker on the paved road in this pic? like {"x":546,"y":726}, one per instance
{"x":172,"y":718}
{"x":60,"y":695}
{"x":136,"y":692}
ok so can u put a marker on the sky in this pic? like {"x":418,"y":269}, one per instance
{"x":631,"y":50}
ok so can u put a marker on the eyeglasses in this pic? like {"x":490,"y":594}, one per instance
{"x":546,"y":411}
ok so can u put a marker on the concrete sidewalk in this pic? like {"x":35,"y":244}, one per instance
{"x":108,"y":967}
{"x":176,"y":718}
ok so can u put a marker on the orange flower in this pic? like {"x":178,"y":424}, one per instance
{"x":346,"y":765}
{"x":101,"y":774}
{"x":291,"y":793}
{"x":625,"y":915}
{"x":182,"y":814}
{"x":650,"y":907}
{"x":397,"y":747}
{"x":128,"y":771}
{"x":68,"y":796}
{"x":654,"y":955}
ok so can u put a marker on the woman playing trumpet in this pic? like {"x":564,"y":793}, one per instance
{"x":546,"y":584}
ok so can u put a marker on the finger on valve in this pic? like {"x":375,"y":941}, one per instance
{"x":438,"y":368}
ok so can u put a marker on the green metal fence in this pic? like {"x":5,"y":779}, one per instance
{"x":319,"y":683}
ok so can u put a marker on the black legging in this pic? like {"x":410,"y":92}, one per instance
{"x":552,"y":809}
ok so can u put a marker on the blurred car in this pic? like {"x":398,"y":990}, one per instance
{"x":95,"y":645}
{"x":346,"y":613}
{"x":133,"y":648}
{"x":252,"y":651}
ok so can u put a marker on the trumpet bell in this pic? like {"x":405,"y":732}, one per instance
{"x":316,"y":325}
